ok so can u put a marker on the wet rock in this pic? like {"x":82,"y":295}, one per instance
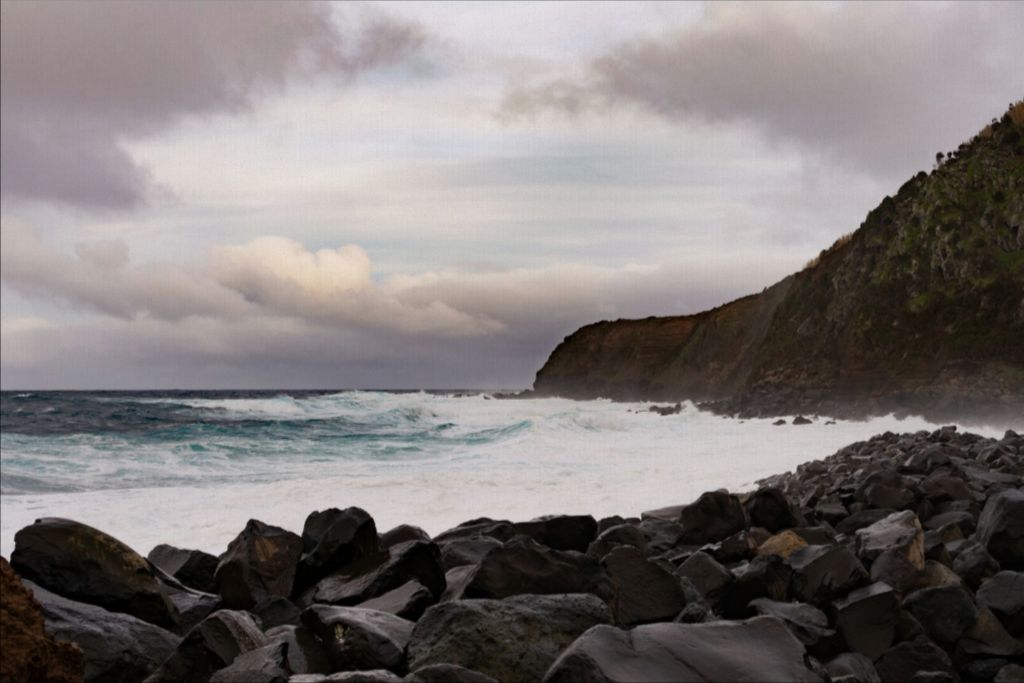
{"x":210,"y":646}
{"x":782,"y":544}
{"x":987,"y":637}
{"x":905,"y":660}
{"x":193,"y":568}
{"x":930,"y":458}
{"x":29,"y":652}
{"x":622,"y":534}
{"x":1001,"y":528}
{"x":463,"y":551}
{"x":523,"y":566}
{"x":358,"y":639}
{"x":766,"y":576}
{"x":944,"y":612}
{"x":374,"y":576}
{"x":447,"y":673}
{"x":259,"y":563}
{"x":853,"y":667}
{"x":895,"y":548}
{"x":1004,"y":595}
{"x":808,"y":623}
{"x":824,"y":572}
{"x":754,"y":650}
{"x":84,"y":564}
{"x":403,"y":533}
{"x":770,"y":509}
{"x":408,"y":601}
{"x":801,"y":420}
{"x":117,"y":646}
{"x":974,"y":564}
{"x":707,"y":575}
{"x":515,"y":639}
{"x":304,"y":652}
{"x":644,"y":592}
{"x":276,"y":611}
{"x":712,"y":517}
{"x":331,"y":539}
{"x":886,"y":490}
{"x":862,"y":519}
{"x":867,"y":619}
{"x":561,"y":532}
{"x":267,"y":664}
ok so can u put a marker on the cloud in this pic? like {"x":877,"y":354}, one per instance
{"x":876,"y":87}
{"x":81,"y":78}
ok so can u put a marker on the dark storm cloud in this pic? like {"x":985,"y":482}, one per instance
{"x":875,"y":86}
{"x":79,"y":78}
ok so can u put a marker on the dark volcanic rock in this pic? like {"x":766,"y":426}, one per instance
{"x":809,"y":624}
{"x":561,"y":532}
{"x":904,"y":660}
{"x":117,"y":646}
{"x":712,"y":517}
{"x":403,"y":533}
{"x":267,"y":664}
{"x":867,"y":619}
{"x":770,"y":509}
{"x":305,"y":654}
{"x":1004,"y":595}
{"x":621,"y":534}
{"x":523,"y":566}
{"x":499,"y":530}
{"x":852,"y":667}
{"x":944,"y":612}
{"x":706,"y":573}
{"x":29,"y":653}
{"x":193,"y":568}
{"x":374,"y":576}
{"x":861,"y":519}
{"x":1011,"y":673}
{"x":209,"y":647}
{"x":974,"y":564}
{"x":766,"y":576}
{"x":331,"y":539}
{"x":662,"y":535}
{"x":360,"y":639}
{"x":644,"y":592}
{"x":447,"y":673}
{"x":260,"y":562}
{"x":276,"y":611}
{"x":824,"y":572}
{"x":895,"y":548}
{"x":1001,"y":528}
{"x":987,"y":637}
{"x":463,"y":551}
{"x":515,"y":639}
{"x":407,"y":601}
{"x":85,"y":564}
{"x":759,"y":649}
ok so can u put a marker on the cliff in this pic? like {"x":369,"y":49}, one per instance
{"x":921,"y":309}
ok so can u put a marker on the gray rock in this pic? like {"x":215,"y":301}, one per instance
{"x":1000,"y":528}
{"x":447,"y":673}
{"x":305,"y":654}
{"x":644,"y":592}
{"x":907,"y":659}
{"x":854,"y":666}
{"x":374,"y":576}
{"x":358,"y":639}
{"x":824,"y":572}
{"x":267,"y":664}
{"x":259,"y":563}
{"x":210,"y":646}
{"x":766,"y":576}
{"x":769,"y":508}
{"x":1004,"y":595}
{"x":974,"y":564}
{"x":808,"y":623}
{"x":515,"y":639}
{"x":331,"y":539}
{"x":987,"y":637}
{"x":712,"y":517}
{"x":706,"y":573}
{"x":622,"y":534}
{"x":408,"y":601}
{"x":1011,"y":673}
{"x":193,"y":568}
{"x":944,"y":612}
{"x":462,"y":551}
{"x":118,"y":647}
{"x":276,"y":611}
{"x":894,"y":546}
{"x":867,"y":619}
{"x":403,"y":533}
{"x":759,"y":649}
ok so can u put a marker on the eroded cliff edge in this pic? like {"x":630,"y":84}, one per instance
{"x":921,"y":309}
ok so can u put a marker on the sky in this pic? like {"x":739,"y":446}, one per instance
{"x":433,"y":195}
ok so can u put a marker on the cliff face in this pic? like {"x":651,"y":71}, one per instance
{"x":921,"y":309}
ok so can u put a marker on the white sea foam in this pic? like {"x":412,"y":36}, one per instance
{"x":503,"y":459}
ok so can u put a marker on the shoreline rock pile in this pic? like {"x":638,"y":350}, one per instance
{"x":900,"y":558}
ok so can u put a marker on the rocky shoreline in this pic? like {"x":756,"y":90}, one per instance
{"x":900,"y":558}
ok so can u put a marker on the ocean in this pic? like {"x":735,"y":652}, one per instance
{"x":190,"y":468}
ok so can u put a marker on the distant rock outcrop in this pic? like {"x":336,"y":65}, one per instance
{"x":919,"y":310}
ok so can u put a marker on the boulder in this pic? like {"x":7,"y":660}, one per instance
{"x":867,"y":619}
{"x":1004,"y":595}
{"x":662,"y":535}
{"x":457,"y":580}
{"x":861,"y":519}
{"x":276,"y":611}
{"x":561,"y":532}
{"x":29,"y":653}
{"x":937,"y":574}
{"x":403,"y":533}
{"x":267,"y":664}
{"x":499,"y":530}
{"x":408,"y":601}
{"x":1010,"y":673}
{"x":192,"y":606}
{"x":885,"y":489}
{"x":770,"y":509}
{"x":740,"y":546}
{"x":1000,"y":528}
{"x":515,"y":639}
{"x":358,"y":639}
{"x":524,"y":566}
{"x":894,"y":546}
{"x":974,"y":564}
{"x":824,"y":572}
{"x":759,"y":649}
{"x":193,"y":568}
{"x":304,"y":652}
{"x":644,"y":592}
{"x":904,"y":660}
{"x":210,"y":646}
{"x":117,"y":646}
{"x":463,"y":551}
{"x":808,"y":623}
{"x":86,"y":565}
{"x":986,"y":637}
{"x":622,"y":534}
{"x":853,"y":667}
{"x":375,"y":676}
{"x":331,"y":539}
{"x":374,"y":576}
{"x":447,"y":673}
{"x":259,"y":563}
{"x":782,"y":544}
{"x":712,"y":517}
{"x":963,"y":520}
{"x":944,"y":612}
{"x":706,"y":573}
{"x":766,"y":576}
